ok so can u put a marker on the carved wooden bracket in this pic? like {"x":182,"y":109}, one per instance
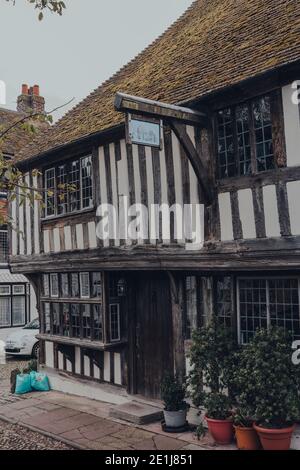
{"x":193,"y":156}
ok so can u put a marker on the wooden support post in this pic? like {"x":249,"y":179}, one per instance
{"x":176,"y":287}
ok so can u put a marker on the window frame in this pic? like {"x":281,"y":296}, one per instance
{"x":18,"y":293}
{"x":8,"y":293}
{"x":11,"y":296}
{"x":63,"y":208}
{"x":4,"y":252}
{"x":53,"y":296}
{"x":277,"y":128}
{"x":267,"y":279}
{"x":113,"y":304}
{"x":80,"y":285}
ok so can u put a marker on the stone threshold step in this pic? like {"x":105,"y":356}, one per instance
{"x":136,"y":412}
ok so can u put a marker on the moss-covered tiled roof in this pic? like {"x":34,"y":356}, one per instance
{"x":15,"y":139}
{"x":216,"y":43}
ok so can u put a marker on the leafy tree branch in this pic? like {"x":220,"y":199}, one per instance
{"x":54,"y":6}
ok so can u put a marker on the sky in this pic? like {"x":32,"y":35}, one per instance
{"x":70,"y":56}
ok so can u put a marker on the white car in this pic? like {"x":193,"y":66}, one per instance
{"x":24,"y":342}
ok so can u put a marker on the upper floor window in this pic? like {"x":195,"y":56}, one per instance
{"x":245,"y":138}
{"x":69,"y":187}
{"x":3,"y":245}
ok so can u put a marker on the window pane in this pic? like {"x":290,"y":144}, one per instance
{"x":54,"y":285}
{"x":96,"y":285}
{"x":46,"y":285}
{"x":253,"y":307}
{"x":19,"y":290}
{"x":191,"y":305}
{"x":74,"y":285}
{"x":18,"y":311}
{"x":3,"y":245}
{"x":55,"y":319}
{"x":98,"y":323}
{"x":263,"y":134}
{"x":50,"y":192}
{"x":4,"y":290}
{"x":74,"y":180}
{"x":243,"y":139}
{"x":117,"y":286}
{"x":75,"y":320}
{"x":46,"y":309}
{"x":224,"y":301}
{"x":227,"y":166}
{"x":86,"y":321}
{"x":62,"y":193}
{"x":114,"y":317}
{"x":284,"y":305}
{"x":86,"y":182}
{"x":65,"y":320}
{"x":84,"y":285}
{"x":5,"y":311}
{"x":65,"y":285}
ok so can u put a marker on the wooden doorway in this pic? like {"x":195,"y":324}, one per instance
{"x":153,"y":333}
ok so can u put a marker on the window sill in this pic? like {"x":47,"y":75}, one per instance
{"x":258,"y":174}
{"x":69,"y":215}
{"x":83,"y":343}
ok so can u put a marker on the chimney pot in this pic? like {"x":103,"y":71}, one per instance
{"x":36,"y":90}
{"x":24,"y":89}
{"x":30,"y":100}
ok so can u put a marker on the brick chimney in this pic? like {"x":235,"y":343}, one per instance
{"x":30,"y":100}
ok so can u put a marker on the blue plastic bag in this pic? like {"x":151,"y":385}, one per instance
{"x":39,"y":381}
{"x":23,"y":384}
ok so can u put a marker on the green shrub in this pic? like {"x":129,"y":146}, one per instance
{"x":173,"y":391}
{"x":266,"y":381}
{"x":211,"y":357}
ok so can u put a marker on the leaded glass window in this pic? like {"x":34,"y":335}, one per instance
{"x":263,"y":134}
{"x":245,"y":138}
{"x":69,"y":187}
{"x":114,"y":320}
{"x":268,"y":302}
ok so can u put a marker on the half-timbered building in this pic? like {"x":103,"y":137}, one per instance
{"x":222,"y":81}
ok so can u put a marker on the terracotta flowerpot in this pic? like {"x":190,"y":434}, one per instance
{"x":275,"y":439}
{"x":221,"y":430}
{"x":246,"y":438}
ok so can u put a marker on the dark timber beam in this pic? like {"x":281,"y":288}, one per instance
{"x":192,"y":154}
{"x":142,"y":106}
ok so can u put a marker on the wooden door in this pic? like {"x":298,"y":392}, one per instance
{"x":153,"y":333}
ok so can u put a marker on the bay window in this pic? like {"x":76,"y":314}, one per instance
{"x":72,"y":306}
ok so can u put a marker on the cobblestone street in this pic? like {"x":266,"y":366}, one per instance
{"x":15,"y":437}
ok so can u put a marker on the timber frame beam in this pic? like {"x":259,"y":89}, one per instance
{"x":177,"y":117}
{"x":156,"y":109}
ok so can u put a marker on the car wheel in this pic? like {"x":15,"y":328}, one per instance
{"x":36,"y":350}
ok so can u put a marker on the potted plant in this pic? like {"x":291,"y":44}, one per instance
{"x":219,"y":417}
{"x":211,"y":356}
{"x":272,"y":385}
{"x":173,"y":390}
{"x":246,"y":436}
